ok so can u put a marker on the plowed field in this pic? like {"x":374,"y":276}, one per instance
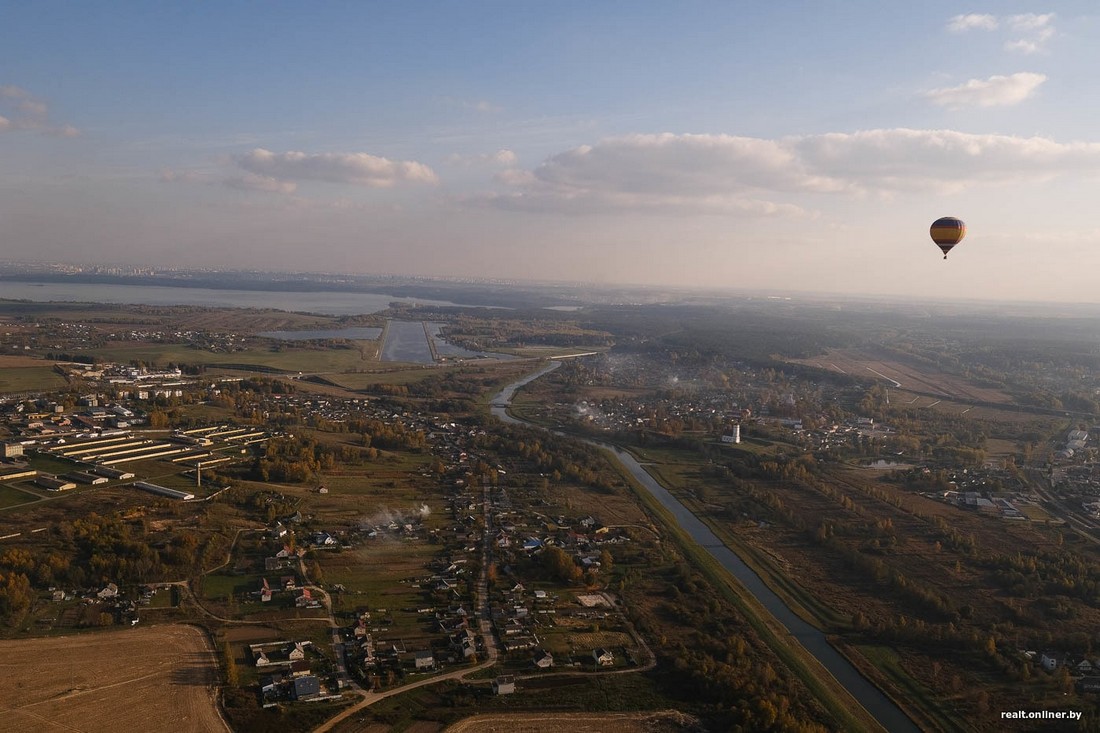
{"x":157,"y":678}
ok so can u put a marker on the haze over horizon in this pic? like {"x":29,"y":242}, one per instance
{"x":798,"y":148}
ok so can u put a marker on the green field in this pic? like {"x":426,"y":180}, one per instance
{"x":225,"y":586}
{"x":30,"y":379}
{"x":11,"y":496}
{"x":1036,"y":513}
{"x":376,"y":575}
{"x":165,"y":598}
{"x":362,"y":380}
{"x":287,"y":359}
{"x":46,"y":463}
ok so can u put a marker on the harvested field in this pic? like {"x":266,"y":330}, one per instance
{"x":157,"y":678}
{"x":612,"y":509}
{"x":16,"y":362}
{"x":920,"y":379}
{"x":659,"y":722}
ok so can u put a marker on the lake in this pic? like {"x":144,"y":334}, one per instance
{"x":326,"y":303}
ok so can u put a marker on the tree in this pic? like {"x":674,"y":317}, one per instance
{"x":16,"y":597}
{"x":559,"y":564}
{"x":232,"y":676}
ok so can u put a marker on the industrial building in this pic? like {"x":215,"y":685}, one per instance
{"x":164,"y":491}
{"x":84,"y":477}
{"x":53,"y":483}
{"x":115,"y":473}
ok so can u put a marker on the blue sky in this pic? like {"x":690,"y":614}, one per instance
{"x":781,"y":146}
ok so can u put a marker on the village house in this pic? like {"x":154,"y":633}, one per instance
{"x":307,"y":687}
{"x":269,"y":684}
{"x":464,"y":642}
{"x":1088,"y":684}
{"x":603,"y":657}
{"x":1051,"y":661}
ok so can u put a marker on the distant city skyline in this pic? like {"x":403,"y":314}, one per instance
{"x":803,"y":147}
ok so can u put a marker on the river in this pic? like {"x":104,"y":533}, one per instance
{"x":889,"y":715}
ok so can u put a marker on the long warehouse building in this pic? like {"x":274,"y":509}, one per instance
{"x":164,"y":491}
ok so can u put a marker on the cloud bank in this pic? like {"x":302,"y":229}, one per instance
{"x":269,"y":172}
{"x":728,"y":174}
{"x":500,"y":157}
{"x":359,"y":169}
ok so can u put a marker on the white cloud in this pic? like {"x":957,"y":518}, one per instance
{"x":1028,"y":32}
{"x":253,"y":182}
{"x":516,"y":177}
{"x":690,"y":174}
{"x":167,"y":175}
{"x":10,"y":91}
{"x":663,"y":173}
{"x":611,"y":202}
{"x":1035,"y":31}
{"x":1031,"y":22}
{"x":351,"y":168}
{"x":33,"y":108}
{"x":972,"y":21}
{"x":28,"y":112}
{"x":996,"y":91}
{"x":500,"y":157}
{"x":668,"y":163}
{"x":903,"y":159}
{"x":63,"y":131}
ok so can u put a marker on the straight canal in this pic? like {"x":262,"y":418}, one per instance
{"x":882,"y":708}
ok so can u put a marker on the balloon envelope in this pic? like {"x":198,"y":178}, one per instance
{"x":947,"y":232}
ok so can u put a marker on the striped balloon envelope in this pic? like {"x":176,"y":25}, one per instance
{"x":947,"y":232}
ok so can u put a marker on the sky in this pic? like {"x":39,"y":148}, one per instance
{"x":790,"y":146}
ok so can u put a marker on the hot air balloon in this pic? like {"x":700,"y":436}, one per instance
{"x":947,"y":232}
